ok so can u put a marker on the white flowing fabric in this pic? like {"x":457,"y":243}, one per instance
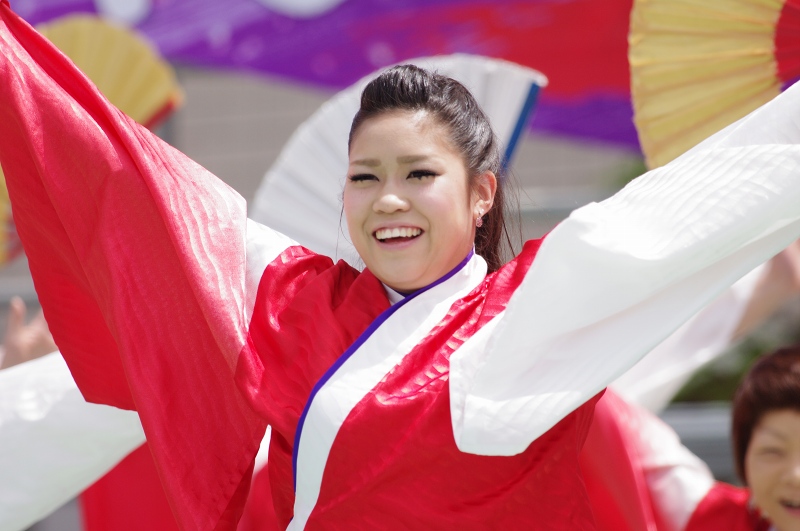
{"x":617,"y":278}
{"x":53,"y":444}
{"x":656,"y":379}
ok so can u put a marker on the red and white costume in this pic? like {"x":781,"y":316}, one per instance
{"x":463,"y":406}
{"x":387,"y":397}
{"x":659,"y":485}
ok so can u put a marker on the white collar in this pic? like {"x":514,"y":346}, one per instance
{"x":394,"y":296}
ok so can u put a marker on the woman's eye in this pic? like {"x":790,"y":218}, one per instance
{"x":361,"y":177}
{"x":421,"y":174}
{"x":771,"y":451}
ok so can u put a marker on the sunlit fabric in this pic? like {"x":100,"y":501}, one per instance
{"x":373,"y":443}
{"x":126,"y":70}
{"x":104,"y":287}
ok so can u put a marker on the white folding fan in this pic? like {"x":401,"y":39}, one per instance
{"x":300,"y":195}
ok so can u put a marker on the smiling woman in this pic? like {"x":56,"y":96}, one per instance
{"x":408,"y":202}
{"x":413,"y":197}
{"x":437,"y":389}
{"x":415,"y":125}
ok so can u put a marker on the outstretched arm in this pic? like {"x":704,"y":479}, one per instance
{"x":143,"y":267}
{"x":616,"y":278}
{"x":779,"y":284}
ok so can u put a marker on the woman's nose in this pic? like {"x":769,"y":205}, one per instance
{"x":390,"y":200}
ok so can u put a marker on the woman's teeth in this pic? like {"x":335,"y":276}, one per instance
{"x":397,"y":232}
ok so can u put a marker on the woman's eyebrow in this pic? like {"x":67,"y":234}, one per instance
{"x":372,"y":163}
{"x":773,"y":432}
{"x":410,"y":159}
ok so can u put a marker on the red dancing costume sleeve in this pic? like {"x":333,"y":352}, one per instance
{"x":138,"y":257}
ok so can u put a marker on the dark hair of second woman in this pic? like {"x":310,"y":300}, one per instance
{"x":410,"y":88}
{"x":771,"y":384}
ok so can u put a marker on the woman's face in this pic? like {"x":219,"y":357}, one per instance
{"x":409,"y":205}
{"x":772,"y":466}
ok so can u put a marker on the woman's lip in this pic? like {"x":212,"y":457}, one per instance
{"x":793,"y":511}
{"x":396,"y":244}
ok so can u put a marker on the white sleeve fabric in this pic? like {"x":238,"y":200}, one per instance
{"x":656,"y":379}
{"x":54,"y":444}
{"x":617,"y":278}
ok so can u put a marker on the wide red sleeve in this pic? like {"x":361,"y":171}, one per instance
{"x":138,"y":257}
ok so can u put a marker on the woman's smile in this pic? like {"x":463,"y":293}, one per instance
{"x":393,"y":235}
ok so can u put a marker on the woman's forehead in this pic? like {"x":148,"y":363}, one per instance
{"x":779,"y":423}
{"x":408,"y":133}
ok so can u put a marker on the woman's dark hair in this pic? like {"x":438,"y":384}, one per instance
{"x":410,"y":88}
{"x":772,"y":383}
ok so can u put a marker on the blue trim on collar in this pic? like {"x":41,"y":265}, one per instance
{"x":355,"y":346}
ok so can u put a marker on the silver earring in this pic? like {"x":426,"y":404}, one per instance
{"x":479,"y":221}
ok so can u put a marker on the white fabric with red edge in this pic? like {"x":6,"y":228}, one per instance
{"x":409,"y":323}
{"x":53,"y":444}
{"x":617,"y":278}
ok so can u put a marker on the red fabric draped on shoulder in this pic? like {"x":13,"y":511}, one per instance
{"x":138,"y":257}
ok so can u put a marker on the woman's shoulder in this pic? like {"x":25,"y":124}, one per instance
{"x":299,"y":273}
{"x":510,"y":275}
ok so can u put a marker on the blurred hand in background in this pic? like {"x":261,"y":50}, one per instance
{"x":24,"y":342}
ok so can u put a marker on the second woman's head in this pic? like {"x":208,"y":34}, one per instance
{"x":422,"y":184}
{"x":766,"y":435}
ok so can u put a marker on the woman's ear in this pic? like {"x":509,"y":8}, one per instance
{"x":483,"y":190}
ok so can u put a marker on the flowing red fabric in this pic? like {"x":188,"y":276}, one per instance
{"x":259,"y":512}
{"x":612,"y":472}
{"x":137,"y":255}
{"x":129,"y":498}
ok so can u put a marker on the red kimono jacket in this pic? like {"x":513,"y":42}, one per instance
{"x":124,"y":237}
